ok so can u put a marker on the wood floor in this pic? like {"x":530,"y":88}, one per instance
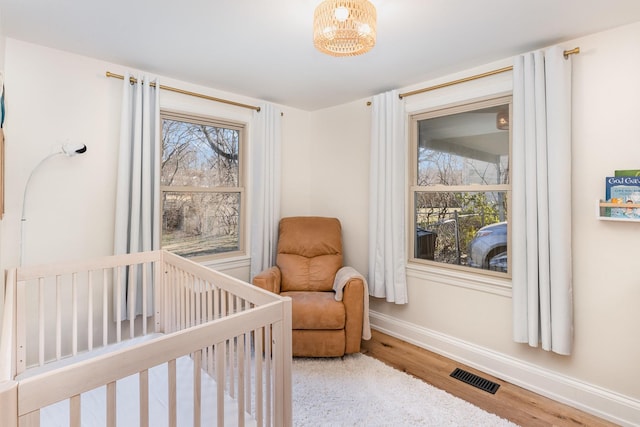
{"x":511,"y":402}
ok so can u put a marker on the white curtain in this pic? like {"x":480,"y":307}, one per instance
{"x":265,"y":187}
{"x":387,"y":219}
{"x":137,"y":216}
{"x":541,"y":212}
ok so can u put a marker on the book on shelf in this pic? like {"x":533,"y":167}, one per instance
{"x":622,"y":190}
{"x":627,"y":172}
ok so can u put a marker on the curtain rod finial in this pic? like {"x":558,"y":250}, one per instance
{"x":573,"y":51}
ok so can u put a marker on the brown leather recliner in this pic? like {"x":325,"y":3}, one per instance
{"x":308,"y":256}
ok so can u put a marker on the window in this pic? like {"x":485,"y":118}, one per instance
{"x":202,"y":185}
{"x":460,"y":187}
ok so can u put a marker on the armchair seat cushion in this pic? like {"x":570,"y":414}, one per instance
{"x":316,"y":310}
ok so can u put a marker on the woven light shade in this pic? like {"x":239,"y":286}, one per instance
{"x":344,"y":27}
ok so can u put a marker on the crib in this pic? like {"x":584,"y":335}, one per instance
{"x":186,"y":345}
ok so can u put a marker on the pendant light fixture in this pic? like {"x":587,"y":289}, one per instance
{"x":344,"y":27}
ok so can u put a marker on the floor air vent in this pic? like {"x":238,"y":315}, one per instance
{"x":475,"y":380}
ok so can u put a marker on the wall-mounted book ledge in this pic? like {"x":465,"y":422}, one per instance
{"x":625,"y":212}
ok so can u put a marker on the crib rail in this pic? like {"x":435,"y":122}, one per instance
{"x":43,"y":390}
{"x":73,"y":307}
{"x":237,"y":334}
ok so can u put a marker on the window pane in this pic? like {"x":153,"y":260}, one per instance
{"x":465,"y":148}
{"x":462,"y":228}
{"x":199,"y":155}
{"x":196,"y":224}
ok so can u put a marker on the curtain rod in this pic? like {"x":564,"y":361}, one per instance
{"x":186,"y":92}
{"x":477,"y":76}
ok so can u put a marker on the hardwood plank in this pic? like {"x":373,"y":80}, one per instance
{"x":511,"y":402}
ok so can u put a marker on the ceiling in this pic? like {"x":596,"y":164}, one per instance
{"x":264,"y":48}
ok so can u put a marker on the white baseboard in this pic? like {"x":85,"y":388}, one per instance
{"x":595,"y":400}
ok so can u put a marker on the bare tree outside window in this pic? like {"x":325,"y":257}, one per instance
{"x":201,"y":186}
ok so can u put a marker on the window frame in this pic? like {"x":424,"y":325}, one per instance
{"x":414,"y":188}
{"x":241,"y":188}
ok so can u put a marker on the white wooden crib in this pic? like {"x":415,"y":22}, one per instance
{"x":206,"y":349}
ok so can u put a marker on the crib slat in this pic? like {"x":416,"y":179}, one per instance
{"x":230,"y":351}
{"x":90,"y":311}
{"x":210,"y":366}
{"x":257,"y":342}
{"x":268,"y":352}
{"x":111,"y":404}
{"x":216,"y":302}
{"x":177,"y":315}
{"x":175,"y":298}
{"x":74,"y":411}
{"x":223,"y":303}
{"x":192,"y":300}
{"x":173,"y":401}
{"x":179,"y":299}
{"x":177,"y":291}
{"x":144,"y":298}
{"x":58,"y":318}
{"x":144,"y":398}
{"x":207,"y":311}
{"x":105,"y":313}
{"x":187,"y":300}
{"x":131,"y":298}
{"x":198,"y":294}
{"x":74,"y":309}
{"x":197,"y":388}
{"x":41,"y":321}
{"x":241,"y":396}
{"x":170,"y":299}
{"x":220,"y":381}
{"x":182,"y":308}
{"x":118,"y":304}
{"x":209,"y":297}
{"x":247,"y":371}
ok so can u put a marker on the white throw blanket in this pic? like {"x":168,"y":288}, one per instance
{"x":342,"y":278}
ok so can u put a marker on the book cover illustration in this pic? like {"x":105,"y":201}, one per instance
{"x":623,"y":190}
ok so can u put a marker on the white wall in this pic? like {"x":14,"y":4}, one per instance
{"x":54,"y":97}
{"x":473,"y":326}
{"x":296,"y":157}
{"x":2,"y":44}
{"x":340,"y":174}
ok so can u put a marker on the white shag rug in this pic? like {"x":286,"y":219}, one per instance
{"x":358,"y":390}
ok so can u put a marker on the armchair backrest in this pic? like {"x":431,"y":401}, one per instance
{"x":309,"y":253}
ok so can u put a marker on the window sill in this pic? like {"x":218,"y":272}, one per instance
{"x":457,"y":277}
{"x":227,"y":263}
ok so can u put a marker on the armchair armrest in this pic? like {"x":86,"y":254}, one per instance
{"x":353,"y":299}
{"x":269,"y":280}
